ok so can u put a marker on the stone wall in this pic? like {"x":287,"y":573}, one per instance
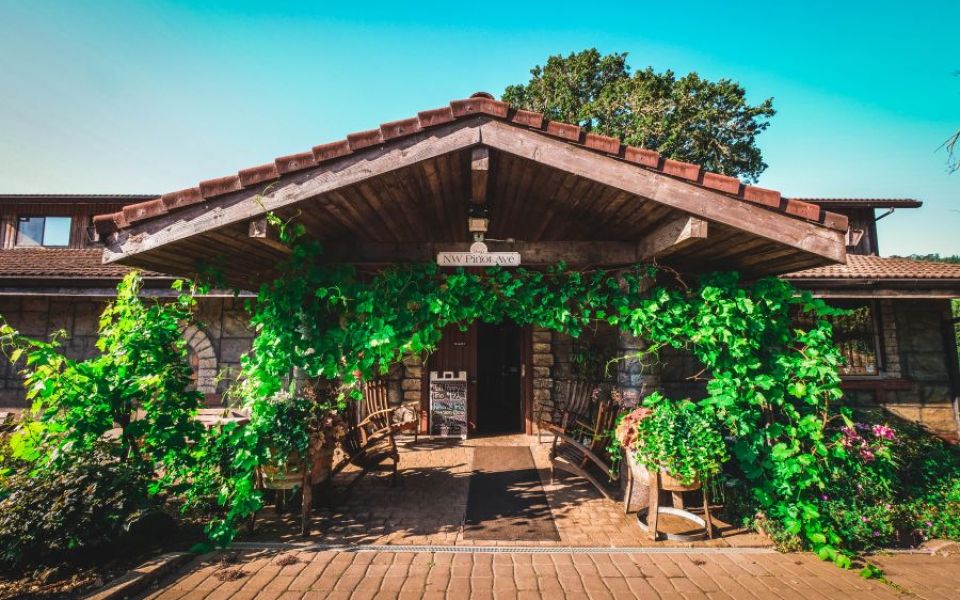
{"x":922,"y":360}
{"x":222,"y":337}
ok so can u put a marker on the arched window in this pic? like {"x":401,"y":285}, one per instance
{"x":203,"y":359}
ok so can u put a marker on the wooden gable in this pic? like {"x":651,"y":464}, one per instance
{"x":378,"y":201}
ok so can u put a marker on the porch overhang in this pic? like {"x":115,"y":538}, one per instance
{"x":405,"y":191}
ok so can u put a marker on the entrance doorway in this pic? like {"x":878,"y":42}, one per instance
{"x":499,"y":378}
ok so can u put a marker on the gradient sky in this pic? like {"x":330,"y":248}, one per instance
{"x":148,"y":97}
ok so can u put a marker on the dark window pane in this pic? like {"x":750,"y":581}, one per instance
{"x":856,"y":336}
{"x":30,"y":231}
{"x":57,"y":231}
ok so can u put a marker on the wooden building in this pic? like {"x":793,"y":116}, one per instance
{"x":550,"y":191}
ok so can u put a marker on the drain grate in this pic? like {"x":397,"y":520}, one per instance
{"x":400,"y":548}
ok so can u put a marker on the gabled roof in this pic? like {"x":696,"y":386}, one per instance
{"x":478,"y":104}
{"x":61,"y":263}
{"x":876,"y":267}
{"x":404,"y":191}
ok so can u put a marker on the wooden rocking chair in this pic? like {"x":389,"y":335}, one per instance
{"x":376,"y":399}
{"x":578,"y":449}
{"x":369,"y":443}
{"x":570,"y":404}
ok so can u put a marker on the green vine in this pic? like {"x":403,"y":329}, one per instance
{"x":773,"y":388}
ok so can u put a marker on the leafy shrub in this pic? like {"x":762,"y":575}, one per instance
{"x":139,"y":381}
{"x":65,"y":482}
{"x":898,"y":486}
{"x":54,"y":514}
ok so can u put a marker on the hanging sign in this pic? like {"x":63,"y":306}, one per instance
{"x":478,"y":256}
{"x":448,"y":404}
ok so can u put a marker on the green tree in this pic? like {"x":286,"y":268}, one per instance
{"x":687,"y":118}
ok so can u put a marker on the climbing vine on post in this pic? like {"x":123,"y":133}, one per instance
{"x":773,"y":387}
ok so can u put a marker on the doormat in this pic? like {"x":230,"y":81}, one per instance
{"x":506,"y":500}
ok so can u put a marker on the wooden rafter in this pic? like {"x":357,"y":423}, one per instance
{"x":672,"y":236}
{"x":262,"y":232}
{"x":479,"y":174}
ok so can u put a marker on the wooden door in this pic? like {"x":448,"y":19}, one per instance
{"x":456,"y":351}
{"x":499,"y":369}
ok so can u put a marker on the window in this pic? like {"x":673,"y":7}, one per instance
{"x":856,"y":336}
{"x":43,"y":231}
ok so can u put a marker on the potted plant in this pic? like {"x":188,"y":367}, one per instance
{"x":675,"y":438}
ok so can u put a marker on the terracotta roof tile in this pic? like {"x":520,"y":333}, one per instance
{"x":400,"y":128}
{"x":762,"y":196}
{"x":364,"y":139}
{"x":876,"y":267}
{"x":803,"y":209}
{"x":255,"y":175}
{"x":681,"y":169}
{"x":530,"y":119}
{"x":220,"y":186}
{"x":61,"y":263}
{"x":642,"y":156}
{"x":721,"y":183}
{"x":295,"y":162}
{"x":182,"y":198}
{"x":437,"y":116}
{"x":482,"y":103}
{"x":564,"y":130}
{"x":603,"y":143}
{"x":332,"y":150}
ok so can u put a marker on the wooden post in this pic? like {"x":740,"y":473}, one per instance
{"x":654,"y":510}
{"x":706,"y":508}
{"x":306,"y":494}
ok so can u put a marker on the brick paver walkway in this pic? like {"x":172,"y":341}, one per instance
{"x":429,"y":508}
{"x":677,"y":575}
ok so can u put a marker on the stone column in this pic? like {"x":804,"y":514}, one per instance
{"x":638,"y":374}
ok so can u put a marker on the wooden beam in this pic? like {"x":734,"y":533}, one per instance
{"x":479,"y":174}
{"x":684,"y":196}
{"x":671,"y":237}
{"x":267,"y":235}
{"x":255,"y":202}
{"x":531,"y":253}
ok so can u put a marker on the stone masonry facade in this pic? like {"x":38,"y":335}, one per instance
{"x":217,"y":342}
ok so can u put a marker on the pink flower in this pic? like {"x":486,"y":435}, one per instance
{"x":882,"y":431}
{"x":626,"y":432}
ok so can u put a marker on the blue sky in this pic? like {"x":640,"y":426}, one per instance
{"x":147,"y":97}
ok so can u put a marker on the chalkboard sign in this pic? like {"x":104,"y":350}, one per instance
{"x":448,"y":404}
